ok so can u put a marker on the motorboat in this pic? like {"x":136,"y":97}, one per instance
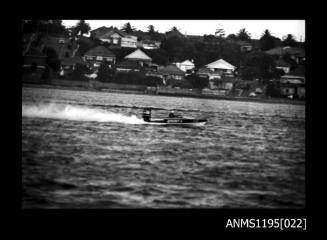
{"x":172,"y":119}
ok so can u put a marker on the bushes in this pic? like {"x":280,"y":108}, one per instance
{"x":135,"y":78}
{"x":273,"y":90}
{"x":52,"y":59}
{"x":179,"y":83}
{"x":78,"y":73}
{"x":197,"y":82}
{"x":153,"y":81}
{"x":104,"y":73}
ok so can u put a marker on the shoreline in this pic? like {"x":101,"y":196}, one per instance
{"x":214,"y":97}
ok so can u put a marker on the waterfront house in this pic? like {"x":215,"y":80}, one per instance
{"x":171,"y":71}
{"x":208,"y":73}
{"x":293,"y":83}
{"x":140,"y":57}
{"x":98,"y":55}
{"x":222,"y":67}
{"x":127,"y":66}
{"x":297,"y":76}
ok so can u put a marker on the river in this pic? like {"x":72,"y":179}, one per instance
{"x":87,"y":149}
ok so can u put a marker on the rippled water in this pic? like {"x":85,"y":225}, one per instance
{"x":92,"y":149}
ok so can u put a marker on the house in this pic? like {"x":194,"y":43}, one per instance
{"x":115,"y":37}
{"x":296,"y":76}
{"x":100,"y":31}
{"x":222,"y":67}
{"x":129,"y":41}
{"x":283,"y":65}
{"x":293,"y":83}
{"x":140,"y":57}
{"x":186,"y":65}
{"x":98,"y":55}
{"x":297,"y":54}
{"x":127,"y":66}
{"x":208,"y":73}
{"x":171,"y":71}
{"x":69,"y":64}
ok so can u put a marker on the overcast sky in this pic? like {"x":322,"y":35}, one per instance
{"x":278,"y":28}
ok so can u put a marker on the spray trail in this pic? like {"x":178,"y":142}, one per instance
{"x":76,"y":113}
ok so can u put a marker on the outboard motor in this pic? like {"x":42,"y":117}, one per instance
{"x":146,"y":114}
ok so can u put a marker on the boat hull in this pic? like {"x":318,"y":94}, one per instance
{"x":178,"y":122}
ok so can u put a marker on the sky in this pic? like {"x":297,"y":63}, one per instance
{"x":278,"y":28}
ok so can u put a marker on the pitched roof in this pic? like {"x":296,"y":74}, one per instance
{"x":221,"y":64}
{"x":138,"y":55}
{"x":171,"y":69}
{"x":128,"y":64}
{"x":100,"y":51}
{"x":107,"y":31}
{"x":286,"y":50}
{"x":187,"y":62}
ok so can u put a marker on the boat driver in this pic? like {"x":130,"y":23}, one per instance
{"x":171,"y":114}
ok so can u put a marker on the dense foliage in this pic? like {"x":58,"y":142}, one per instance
{"x":197,"y":82}
{"x":79,"y":73}
{"x":52,"y":59}
{"x":104,"y":73}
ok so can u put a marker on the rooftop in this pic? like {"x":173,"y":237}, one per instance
{"x":100,"y":51}
{"x":172,"y":69}
{"x":221,"y":64}
{"x":138,"y":55}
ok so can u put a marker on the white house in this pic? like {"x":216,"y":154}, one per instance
{"x":129,"y":41}
{"x":222,"y":67}
{"x":140,"y":57}
{"x":186,"y":65}
{"x":118,"y":38}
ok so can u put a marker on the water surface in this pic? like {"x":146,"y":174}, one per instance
{"x":92,"y":149}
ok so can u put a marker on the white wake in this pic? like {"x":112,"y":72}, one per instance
{"x":77,"y":113}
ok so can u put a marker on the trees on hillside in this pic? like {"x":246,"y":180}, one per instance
{"x":243,"y":35}
{"x":128,"y":28}
{"x":82,"y":28}
{"x":289,"y":40}
{"x":151,"y":29}
{"x":220,"y":32}
{"x":266,"y":41}
{"x":257,"y":65}
{"x":173,"y":29}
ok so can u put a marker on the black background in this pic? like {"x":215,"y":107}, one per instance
{"x":156,"y":223}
